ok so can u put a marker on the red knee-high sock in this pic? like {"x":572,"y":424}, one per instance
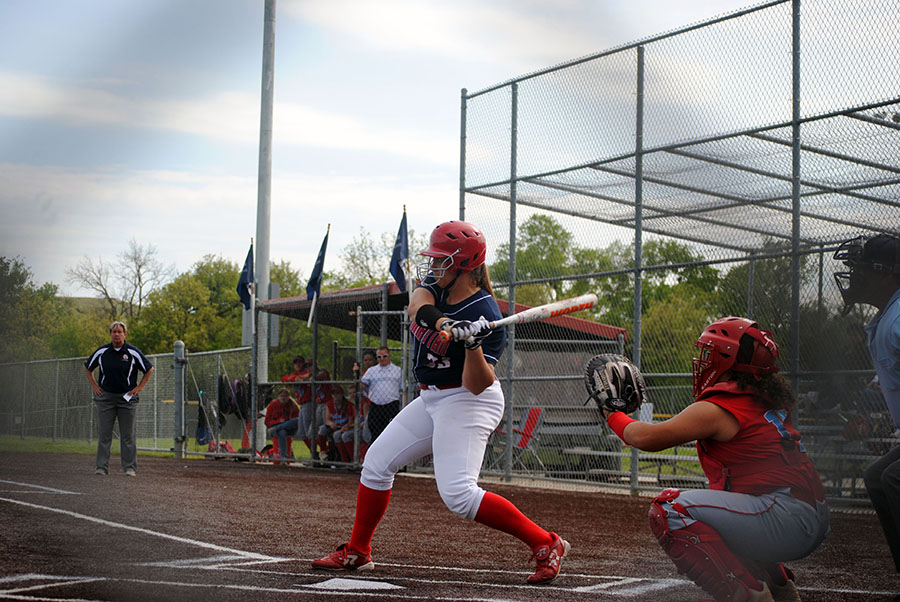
{"x":308,"y":444}
{"x":322,"y":443}
{"x":371,"y":505}
{"x":499,"y":513}
{"x":346,"y":451}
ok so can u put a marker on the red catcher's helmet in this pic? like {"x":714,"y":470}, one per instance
{"x":719,"y":345}
{"x":459,"y":244}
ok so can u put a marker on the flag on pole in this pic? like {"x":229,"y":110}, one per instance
{"x":245,"y":283}
{"x":315,"y":280}
{"x":401,"y":253}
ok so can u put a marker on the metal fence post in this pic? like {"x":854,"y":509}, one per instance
{"x":24,"y":397}
{"x":55,"y":400}
{"x":155,"y":409}
{"x":638,"y":233}
{"x":511,"y":330}
{"x":179,"y":363}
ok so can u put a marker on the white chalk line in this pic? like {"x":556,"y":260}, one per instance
{"x":637,"y":585}
{"x":16,"y":593}
{"x":41,"y":487}
{"x":41,"y":599}
{"x":642,"y":585}
{"x":185,"y":540}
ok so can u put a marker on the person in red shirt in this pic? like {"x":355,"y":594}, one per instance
{"x":322,"y":397}
{"x":280,"y":423}
{"x":362,"y":401}
{"x":340,"y":415}
{"x":766,"y":504}
{"x":303,"y":394}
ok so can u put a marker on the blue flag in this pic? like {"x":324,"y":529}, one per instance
{"x":401,"y":252}
{"x":315,"y":280}
{"x":246,"y":279}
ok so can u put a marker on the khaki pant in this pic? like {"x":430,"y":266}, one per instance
{"x":110,"y":407}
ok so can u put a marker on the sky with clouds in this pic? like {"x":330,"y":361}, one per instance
{"x":140,"y":119}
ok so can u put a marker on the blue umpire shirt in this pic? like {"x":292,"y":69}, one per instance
{"x":883,"y":334}
{"x":118,"y":367}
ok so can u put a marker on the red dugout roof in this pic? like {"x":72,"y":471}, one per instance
{"x":338,"y":309}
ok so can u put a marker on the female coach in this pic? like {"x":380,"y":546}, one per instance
{"x":461,"y":403}
{"x":766,"y":503}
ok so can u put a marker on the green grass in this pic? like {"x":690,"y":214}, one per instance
{"x":41,"y":445}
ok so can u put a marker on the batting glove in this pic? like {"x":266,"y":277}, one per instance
{"x":460,"y":330}
{"x":483,"y":330}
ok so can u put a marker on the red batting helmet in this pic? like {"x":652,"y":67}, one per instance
{"x":719,"y":345}
{"x":460,"y":244}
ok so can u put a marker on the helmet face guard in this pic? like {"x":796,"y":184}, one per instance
{"x":719,"y":345}
{"x":852,"y":253}
{"x":434,"y":265}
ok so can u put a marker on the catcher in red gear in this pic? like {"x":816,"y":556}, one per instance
{"x":765,"y":504}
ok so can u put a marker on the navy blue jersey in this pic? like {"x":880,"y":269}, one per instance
{"x":118,"y":367}
{"x":440,"y":362}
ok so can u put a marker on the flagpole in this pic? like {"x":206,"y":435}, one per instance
{"x":409,"y":281}
{"x":254,"y":365}
{"x":312,"y":310}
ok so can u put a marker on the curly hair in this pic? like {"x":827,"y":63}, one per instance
{"x":772,"y":391}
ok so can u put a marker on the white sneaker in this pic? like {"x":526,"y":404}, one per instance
{"x":101,"y":472}
{"x":130,"y":473}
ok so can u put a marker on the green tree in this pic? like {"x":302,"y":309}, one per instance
{"x":767,"y":283}
{"x":674,"y":273}
{"x":295,"y":338}
{"x":220,"y":276}
{"x":126,"y":284}
{"x":366,"y":259}
{"x":543,"y":250}
{"x":32,"y":317}
{"x":180,"y":310}
{"x":669,"y":330}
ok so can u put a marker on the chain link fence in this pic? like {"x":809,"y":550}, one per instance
{"x":52,"y":399}
{"x":704,"y":172}
{"x":681,"y":178}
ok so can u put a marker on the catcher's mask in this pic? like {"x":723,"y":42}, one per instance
{"x":614,"y":383}
{"x":864,"y":255}
{"x":454,"y":245}
{"x":721,"y":343}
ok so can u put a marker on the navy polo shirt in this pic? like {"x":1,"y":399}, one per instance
{"x":118,"y":367}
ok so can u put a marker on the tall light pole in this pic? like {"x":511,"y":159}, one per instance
{"x":264,"y":194}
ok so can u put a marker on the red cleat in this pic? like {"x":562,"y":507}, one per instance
{"x":549,"y":559}
{"x":345,"y":559}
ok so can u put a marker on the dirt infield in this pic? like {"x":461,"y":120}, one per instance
{"x":226,"y":531}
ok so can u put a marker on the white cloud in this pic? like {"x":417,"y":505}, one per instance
{"x":229,"y":116}
{"x":514,"y":34}
{"x":53,"y":216}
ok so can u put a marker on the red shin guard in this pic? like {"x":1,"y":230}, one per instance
{"x":699,"y":552}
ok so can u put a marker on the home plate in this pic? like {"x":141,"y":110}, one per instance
{"x":348,"y":584}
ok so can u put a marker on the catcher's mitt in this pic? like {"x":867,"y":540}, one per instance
{"x":614,"y":383}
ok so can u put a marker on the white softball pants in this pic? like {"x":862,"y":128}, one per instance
{"x":452,"y":424}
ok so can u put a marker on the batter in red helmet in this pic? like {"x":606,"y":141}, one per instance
{"x":460,"y":405}
{"x":766,"y":504}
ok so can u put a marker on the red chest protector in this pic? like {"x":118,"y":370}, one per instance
{"x":765,"y":454}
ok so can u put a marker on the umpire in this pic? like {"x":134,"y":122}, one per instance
{"x":874,"y":279}
{"x":116,"y":396}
